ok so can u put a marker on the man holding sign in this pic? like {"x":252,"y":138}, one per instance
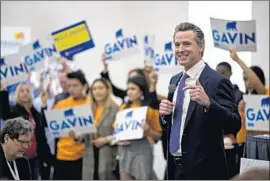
{"x":69,"y":153}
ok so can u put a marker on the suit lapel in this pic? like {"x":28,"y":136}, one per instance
{"x":192,"y":104}
{"x":104,"y":116}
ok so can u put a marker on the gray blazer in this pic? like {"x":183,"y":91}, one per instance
{"x":107,"y":153}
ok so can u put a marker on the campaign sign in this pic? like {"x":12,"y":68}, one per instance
{"x":240,"y":35}
{"x":166,"y":61}
{"x":149,"y":50}
{"x":121,"y":47}
{"x":128,"y":124}
{"x":12,"y":38}
{"x":247,"y":164}
{"x":12,"y":70}
{"x":34,"y":55}
{"x":73,"y":39}
{"x":79,"y":119}
{"x":257,"y":112}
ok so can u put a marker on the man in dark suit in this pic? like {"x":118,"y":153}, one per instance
{"x":200,"y":107}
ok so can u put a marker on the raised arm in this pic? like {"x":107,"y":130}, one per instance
{"x":252,"y":77}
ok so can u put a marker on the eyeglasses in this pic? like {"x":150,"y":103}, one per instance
{"x":24,"y":142}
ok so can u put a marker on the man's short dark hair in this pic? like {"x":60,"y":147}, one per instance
{"x":79,"y":75}
{"x":225,"y":64}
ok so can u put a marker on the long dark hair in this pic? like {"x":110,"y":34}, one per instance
{"x":142,"y":84}
{"x":259,"y":72}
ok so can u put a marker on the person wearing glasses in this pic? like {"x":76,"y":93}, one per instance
{"x":38,"y":153}
{"x":15,"y":138}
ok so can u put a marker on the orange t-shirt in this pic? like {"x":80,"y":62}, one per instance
{"x":98,"y":115}
{"x":267,"y":91}
{"x":67,"y":148}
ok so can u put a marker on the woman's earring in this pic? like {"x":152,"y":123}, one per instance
{"x":142,"y":97}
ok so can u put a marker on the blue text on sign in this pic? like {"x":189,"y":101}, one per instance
{"x":125,"y":43}
{"x":132,"y":125}
{"x":233,"y":38}
{"x":12,"y":71}
{"x":39,"y":55}
{"x":71,"y":123}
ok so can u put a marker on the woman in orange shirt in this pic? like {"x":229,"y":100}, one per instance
{"x":99,"y":160}
{"x":136,"y":156}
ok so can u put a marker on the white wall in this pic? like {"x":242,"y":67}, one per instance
{"x":103,"y":19}
{"x":260,"y":12}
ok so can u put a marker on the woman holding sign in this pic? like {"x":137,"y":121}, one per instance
{"x":104,"y":111}
{"x":136,"y":156}
{"x":97,"y":146}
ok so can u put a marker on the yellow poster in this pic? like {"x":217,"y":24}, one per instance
{"x":73,"y":39}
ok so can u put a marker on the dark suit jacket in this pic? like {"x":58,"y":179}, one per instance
{"x":9,"y":112}
{"x":202,"y":140}
{"x":22,"y":166}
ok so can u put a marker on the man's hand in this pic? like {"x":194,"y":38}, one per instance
{"x":74,"y":135}
{"x":165,"y":107}
{"x":198,"y":94}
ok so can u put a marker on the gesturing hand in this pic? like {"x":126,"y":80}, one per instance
{"x":165,"y":107}
{"x":198,"y":94}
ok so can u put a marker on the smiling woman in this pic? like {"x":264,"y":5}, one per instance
{"x":15,"y":137}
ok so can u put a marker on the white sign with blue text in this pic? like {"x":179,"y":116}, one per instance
{"x":249,"y":164}
{"x":121,"y":47}
{"x":128,"y":124}
{"x":166,"y":61}
{"x":35,"y":55}
{"x":79,"y":119}
{"x":149,"y":50}
{"x":257,"y":112}
{"x":13,"y":70}
{"x":240,"y":35}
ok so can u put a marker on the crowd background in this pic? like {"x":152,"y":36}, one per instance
{"x":125,"y":14}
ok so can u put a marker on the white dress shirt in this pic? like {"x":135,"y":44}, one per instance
{"x":193,"y":75}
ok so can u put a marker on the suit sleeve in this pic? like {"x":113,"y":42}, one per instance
{"x":116,"y":91}
{"x":223,"y":108}
{"x":164,"y":120}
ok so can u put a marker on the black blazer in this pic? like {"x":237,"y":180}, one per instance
{"x":22,"y":166}
{"x":9,"y":112}
{"x":202,"y":140}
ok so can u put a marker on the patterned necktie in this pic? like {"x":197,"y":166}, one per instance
{"x":176,"y":126}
